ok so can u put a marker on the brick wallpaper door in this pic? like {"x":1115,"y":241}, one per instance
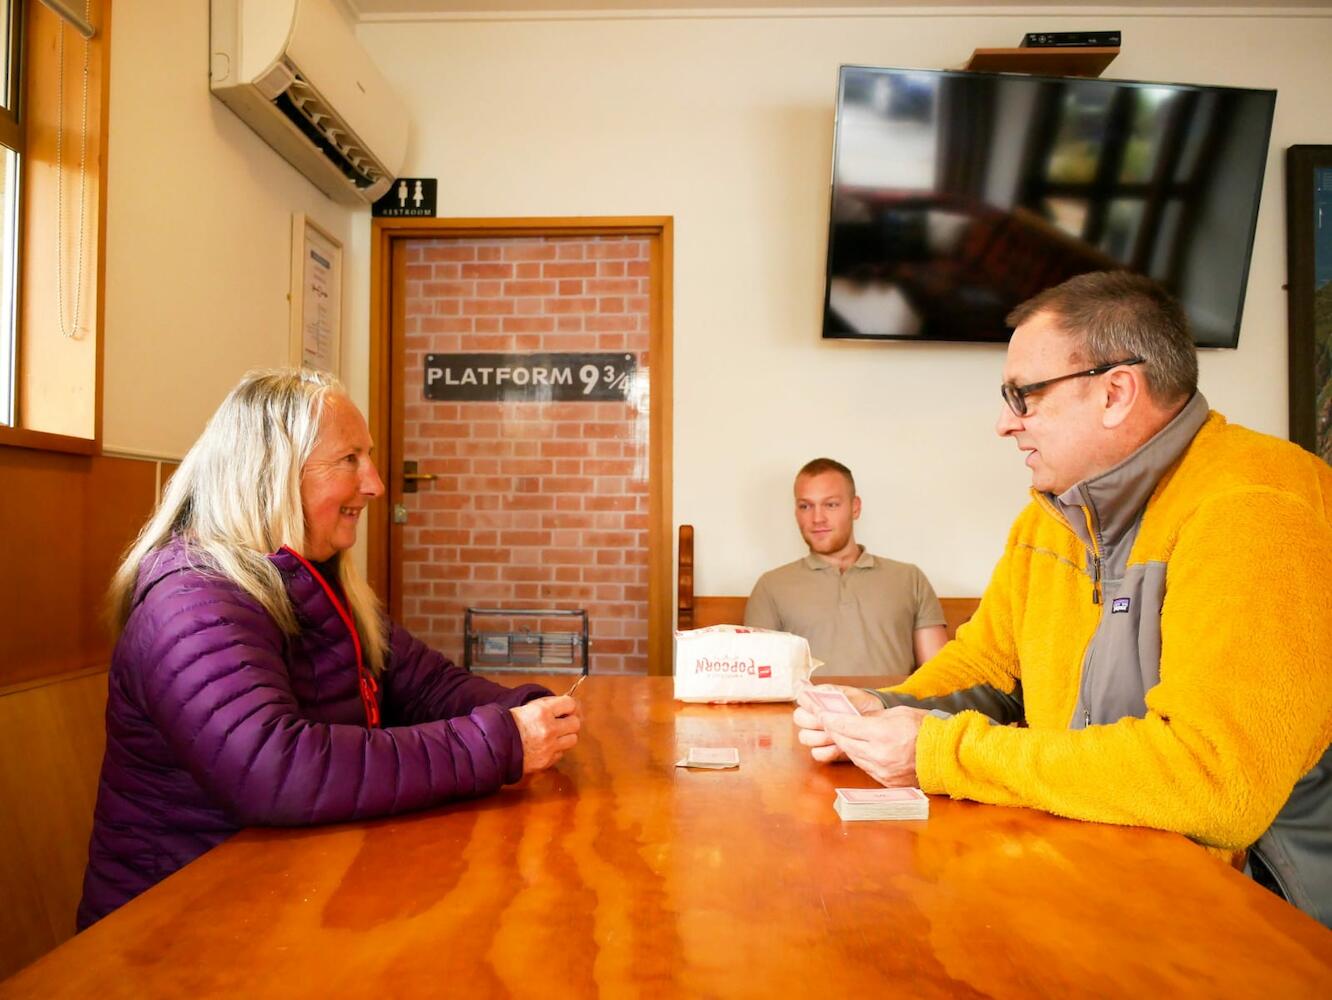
{"x":534,"y":504}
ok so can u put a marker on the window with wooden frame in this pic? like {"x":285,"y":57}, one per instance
{"x":1132,"y":186}
{"x":53,"y":137}
{"x":11,"y":154}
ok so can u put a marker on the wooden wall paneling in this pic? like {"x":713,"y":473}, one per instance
{"x":165,"y":470}
{"x":51,"y":740}
{"x":66,"y":520}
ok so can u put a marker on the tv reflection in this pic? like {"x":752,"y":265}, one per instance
{"x":957,"y":196}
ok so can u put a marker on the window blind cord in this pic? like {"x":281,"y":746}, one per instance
{"x":71,"y":332}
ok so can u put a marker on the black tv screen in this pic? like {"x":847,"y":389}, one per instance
{"x":958,"y":195}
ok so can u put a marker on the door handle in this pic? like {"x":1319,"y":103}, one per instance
{"x":410,"y":477}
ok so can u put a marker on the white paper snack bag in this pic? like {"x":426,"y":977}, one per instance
{"x":733,"y":663}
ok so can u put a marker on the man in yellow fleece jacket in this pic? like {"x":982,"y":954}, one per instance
{"x":1161,"y":619}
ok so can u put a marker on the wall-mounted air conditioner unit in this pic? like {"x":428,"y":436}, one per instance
{"x":295,"y":73}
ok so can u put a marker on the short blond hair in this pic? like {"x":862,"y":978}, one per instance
{"x":818,"y":466}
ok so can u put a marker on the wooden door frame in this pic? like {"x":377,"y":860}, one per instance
{"x":387,"y":237}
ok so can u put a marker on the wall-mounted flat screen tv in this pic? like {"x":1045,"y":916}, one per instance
{"x":957,"y":196}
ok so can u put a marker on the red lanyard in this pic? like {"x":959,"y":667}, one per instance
{"x":368,"y":685}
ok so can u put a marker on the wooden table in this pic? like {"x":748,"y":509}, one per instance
{"x":618,"y":874}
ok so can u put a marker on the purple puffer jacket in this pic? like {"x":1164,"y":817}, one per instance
{"x":216,"y":720}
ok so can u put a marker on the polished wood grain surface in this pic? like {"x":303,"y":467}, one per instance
{"x":617,"y":874}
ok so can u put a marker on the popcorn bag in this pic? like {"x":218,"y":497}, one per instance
{"x":733,"y":663}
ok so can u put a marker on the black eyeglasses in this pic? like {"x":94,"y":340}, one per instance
{"x":1016,"y":395}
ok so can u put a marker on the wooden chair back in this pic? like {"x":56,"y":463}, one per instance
{"x":958,"y":611}
{"x":697,"y":611}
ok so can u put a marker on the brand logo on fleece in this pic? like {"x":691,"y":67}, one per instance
{"x":1120,"y":605}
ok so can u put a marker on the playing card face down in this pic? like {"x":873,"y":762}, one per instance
{"x":830,"y":700}
{"x":713,"y":758}
{"x":732,"y":663}
{"x":878,"y":796}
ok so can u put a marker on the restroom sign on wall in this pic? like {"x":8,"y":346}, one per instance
{"x":537,"y":378}
{"x":407,"y":197}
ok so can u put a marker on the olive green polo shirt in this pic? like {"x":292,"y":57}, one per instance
{"x":858,"y":622}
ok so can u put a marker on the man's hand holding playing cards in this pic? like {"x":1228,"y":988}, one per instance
{"x":880,"y":741}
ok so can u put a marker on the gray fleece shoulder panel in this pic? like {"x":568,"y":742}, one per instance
{"x":989,"y":701}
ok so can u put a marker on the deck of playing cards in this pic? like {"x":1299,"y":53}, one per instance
{"x":881,"y":803}
{"x":829,"y":699}
{"x":712,"y":758}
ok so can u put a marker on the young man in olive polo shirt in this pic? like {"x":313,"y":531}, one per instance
{"x":861,"y":613}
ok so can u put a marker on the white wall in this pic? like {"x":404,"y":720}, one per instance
{"x":725,"y":123}
{"x":198,"y":235}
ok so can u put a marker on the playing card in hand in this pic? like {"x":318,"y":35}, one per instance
{"x":834,"y":701}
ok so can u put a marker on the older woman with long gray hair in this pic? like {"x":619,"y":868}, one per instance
{"x":254,"y":679}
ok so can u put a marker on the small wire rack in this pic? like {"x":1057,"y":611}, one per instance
{"x":509,"y":643}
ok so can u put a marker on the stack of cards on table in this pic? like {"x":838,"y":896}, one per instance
{"x":714,"y":758}
{"x":882,"y":803}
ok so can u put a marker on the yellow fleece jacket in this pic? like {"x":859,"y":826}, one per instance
{"x":1243,"y":705}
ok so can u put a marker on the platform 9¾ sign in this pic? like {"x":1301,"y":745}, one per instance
{"x":529,"y":377}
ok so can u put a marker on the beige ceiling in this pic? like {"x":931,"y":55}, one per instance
{"x":372,"y":9}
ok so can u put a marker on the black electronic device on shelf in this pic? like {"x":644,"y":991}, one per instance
{"x":1070,"y":40}
{"x":958,"y":195}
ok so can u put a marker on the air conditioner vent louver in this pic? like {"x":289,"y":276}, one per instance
{"x":321,"y":126}
{"x":295,"y":72}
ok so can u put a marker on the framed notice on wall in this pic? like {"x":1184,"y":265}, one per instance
{"x":316,"y":296}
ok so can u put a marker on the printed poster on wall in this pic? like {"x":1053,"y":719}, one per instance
{"x":316,"y":296}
